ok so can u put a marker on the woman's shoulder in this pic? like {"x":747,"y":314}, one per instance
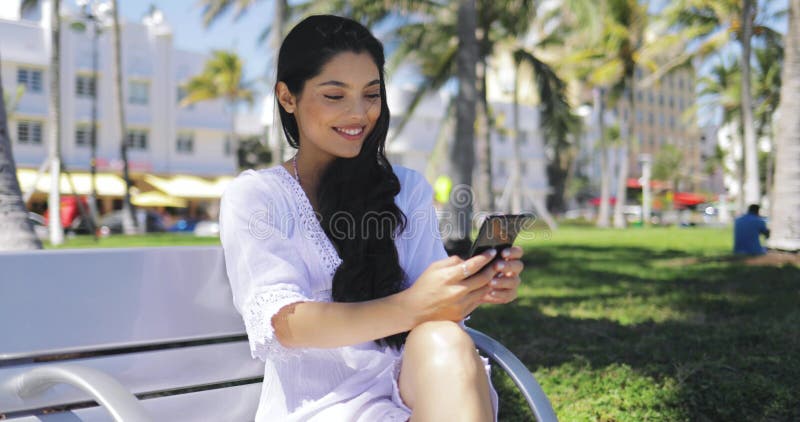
{"x":409,"y":178}
{"x":255,"y":183}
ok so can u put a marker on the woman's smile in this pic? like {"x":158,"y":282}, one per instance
{"x":351,"y":133}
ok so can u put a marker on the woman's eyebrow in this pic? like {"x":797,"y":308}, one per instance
{"x":344,"y":85}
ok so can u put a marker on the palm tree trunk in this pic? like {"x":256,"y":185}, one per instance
{"x":128,"y":218}
{"x":605,"y":172}
{"x":627,"y":147}
{"x":752,"y":190}
{"x":54,"y":197}
{"x":16,"y":232}
{"x":463,"y":151}
{"x":785,"y":211}
{"x":484,"y":190}
{"x":516,"y":166}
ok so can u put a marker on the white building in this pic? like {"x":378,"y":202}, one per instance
{"x":164,"y":139}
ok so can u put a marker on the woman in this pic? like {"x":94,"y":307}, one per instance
{"x":335,"y":259}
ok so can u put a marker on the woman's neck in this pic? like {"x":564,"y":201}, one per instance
{"x":309,"y":170}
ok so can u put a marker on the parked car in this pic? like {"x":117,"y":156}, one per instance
{"x":112,"y":223}
{"x":183,"y":225}
{"x":206,"y":228}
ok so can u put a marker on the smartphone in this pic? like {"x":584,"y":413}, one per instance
{"x":499,"y":231}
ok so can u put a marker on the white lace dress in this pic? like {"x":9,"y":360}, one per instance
{"x":276,"y":254}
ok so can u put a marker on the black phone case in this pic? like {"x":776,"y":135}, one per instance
{"x":499,"y":232}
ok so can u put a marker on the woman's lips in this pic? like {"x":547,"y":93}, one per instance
{"x":350,"y":133}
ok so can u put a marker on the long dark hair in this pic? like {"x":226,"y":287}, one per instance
{"x":356,"y":195}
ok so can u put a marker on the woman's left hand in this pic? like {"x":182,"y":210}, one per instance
{"x":504,"y":285}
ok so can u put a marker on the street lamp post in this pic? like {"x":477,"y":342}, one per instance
{"x":91,"y":12}
{"x":646,"y":161}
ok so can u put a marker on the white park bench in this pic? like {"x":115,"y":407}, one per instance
{"x":143,"y":334}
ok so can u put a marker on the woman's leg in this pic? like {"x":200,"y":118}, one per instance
{"x":442,"y":378}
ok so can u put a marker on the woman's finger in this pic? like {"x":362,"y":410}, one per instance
{"x":465,"y":269}
{"x":514,"y":266}
{"x":514,"y":252}
{"x":500,"y":296}
{"x":505,"y":282}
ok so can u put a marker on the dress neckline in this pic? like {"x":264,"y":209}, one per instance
{"x":312,"y":226}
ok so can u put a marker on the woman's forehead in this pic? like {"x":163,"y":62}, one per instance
{"x":349,"y":70}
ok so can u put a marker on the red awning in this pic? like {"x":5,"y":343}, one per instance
{"x":688,"y":198}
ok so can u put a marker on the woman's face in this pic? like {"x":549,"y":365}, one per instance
{"x":338,"y":108}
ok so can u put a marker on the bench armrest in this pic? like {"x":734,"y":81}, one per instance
{"x":107,"y":391}
{"x":522,"y":377}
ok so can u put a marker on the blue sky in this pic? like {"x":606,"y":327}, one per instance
{"x":185,"y":18}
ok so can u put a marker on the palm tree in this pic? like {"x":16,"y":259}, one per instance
{"x":128,"y":220}
{"x":704,"y":27}
{"x":613,"y":60}
{"x":221,"y":78}
{"x":16,"y":232}
{"x":273,"y":33}
{"x":721,"y":87}
{"x":462,"y":153}
{"x":54,"y":120}
{"x":785,"y":210}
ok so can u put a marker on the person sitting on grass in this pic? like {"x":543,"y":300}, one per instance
{"x":746,"y":231}
{"x":335,"y":259}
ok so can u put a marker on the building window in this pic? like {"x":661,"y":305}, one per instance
{"x":228,"y":147}
{"x":523,"y":137}
{"x":672,"y":122}
{"x":661,"y":99}
{"x":85,"y":86}
{"x":650,"y":97}
{"x":640,"y":96}
{"x":185,"y":143}
{"x":523,"y":169}
{"x":136,"y":139}
{"x":138,"y":92}
{"x":29,"y":132}
{"x":680,"y":82}
{"x":671,"y":102}
{"x":181,"y":94}
{"x":661,"y":120}
{"x":639,"y":116}
{"x":31,"y":79}
{"x":650,"y":118}
{"x":83,"y":135}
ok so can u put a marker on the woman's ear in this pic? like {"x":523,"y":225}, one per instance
{"x":285,"y":97}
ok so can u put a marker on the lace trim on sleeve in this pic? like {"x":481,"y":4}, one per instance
{"x":257,"y":317}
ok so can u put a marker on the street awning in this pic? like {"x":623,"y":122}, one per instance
{"x":155,"y":198}
{"x":189,"y":187}
{"x":689,"y":198}
{"x":106,"y":184}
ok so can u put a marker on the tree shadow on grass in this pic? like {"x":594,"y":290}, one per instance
{"x":724,"y":337}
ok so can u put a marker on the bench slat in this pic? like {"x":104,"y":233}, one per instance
{"x":112,"y":298}
{"x":227,"y":404}
{"x":144,"y":372}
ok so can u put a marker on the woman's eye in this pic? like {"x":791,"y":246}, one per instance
{"x":334,"y":97}
{"x":373,"y":96}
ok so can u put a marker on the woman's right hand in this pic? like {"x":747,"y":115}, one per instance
{"x":444,"y":292}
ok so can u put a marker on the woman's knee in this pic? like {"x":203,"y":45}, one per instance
{"x":441,"y":342}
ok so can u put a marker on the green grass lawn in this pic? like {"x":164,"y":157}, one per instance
{"x":639,"y":325}
{"x":119,"y":241}
{"x":652,"y":324}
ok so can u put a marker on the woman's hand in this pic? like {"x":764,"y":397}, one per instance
{"x":504,"y":285}
{"x":451,"y":288}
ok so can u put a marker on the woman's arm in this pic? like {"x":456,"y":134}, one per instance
{"x":442,"y":292}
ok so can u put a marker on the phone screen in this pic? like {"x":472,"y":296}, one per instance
{"x":499,"y":232}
